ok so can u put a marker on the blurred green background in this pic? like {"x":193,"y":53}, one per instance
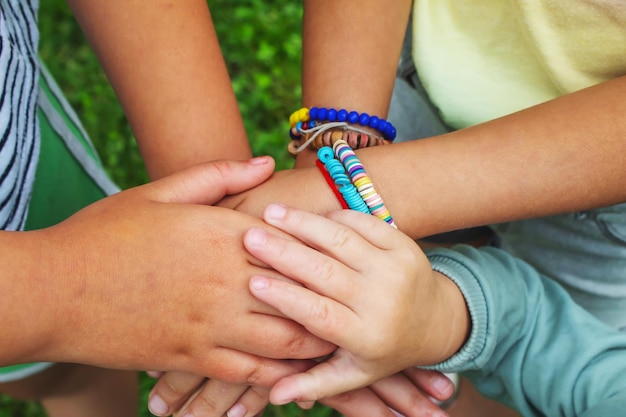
{"x":261,"y":41}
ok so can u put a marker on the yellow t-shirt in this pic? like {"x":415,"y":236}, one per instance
{"x":482,"y":59}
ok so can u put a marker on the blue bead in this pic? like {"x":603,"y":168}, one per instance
{"x":313,"y":113}
{"x":382,"y":124}
{"x":392,"y":133}
{"x":332,"y":115}
{"x":353,"y":117}
{"x":374,"y":120}
{"x":364,"y":119}
{"x":325,"y":154}
{"x":321,"y":113}
{"x":342,"y":115}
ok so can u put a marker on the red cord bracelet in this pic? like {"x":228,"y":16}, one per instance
{"x":331,"y":183}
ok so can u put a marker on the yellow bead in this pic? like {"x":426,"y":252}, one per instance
{"x":303,"y":114}
{"x":293,"y":119}
{"x":362,"y":181}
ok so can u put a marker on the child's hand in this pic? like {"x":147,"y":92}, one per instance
{"x":180,"y":393}
{"x":184,"y":393}
{"x":368,"y":288}
{"x":406,"y":392}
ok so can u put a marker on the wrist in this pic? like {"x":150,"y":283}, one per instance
{"x":454,"y":320}
{"x":31,"y":298}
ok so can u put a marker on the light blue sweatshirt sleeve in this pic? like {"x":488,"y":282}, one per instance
{"x":530,"y":345}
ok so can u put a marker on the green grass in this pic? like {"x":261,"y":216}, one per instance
{"x":261,"y":42}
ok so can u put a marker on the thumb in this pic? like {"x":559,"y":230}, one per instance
{"x":334,"y":376}
{"x":209,"y":182}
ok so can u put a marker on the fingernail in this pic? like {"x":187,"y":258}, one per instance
{"x":275,"y":212}
{"x":440,"y":414}
{"x":256,"y":237}
{"x":259,"y":283}
{"x":157,"y":406}
{"x":443,"y":386}
{"x":154,"y":374}
{"x":237,"y":410}
{"x":260,"y":160}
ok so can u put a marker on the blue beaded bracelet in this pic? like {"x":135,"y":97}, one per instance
{"x":323,"y":114}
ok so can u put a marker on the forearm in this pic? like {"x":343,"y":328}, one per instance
{"x":350,"y":55}
{"x":32,"y":303}
{"x":165,"y":64}
{"x":561,"y":156}
{"x":530,"y":342}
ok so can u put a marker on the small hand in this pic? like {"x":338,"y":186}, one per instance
{"x":367,"y":288}
{"x":162,"y":276}
{"x":183,"y":394}
{"x":405,"y":392}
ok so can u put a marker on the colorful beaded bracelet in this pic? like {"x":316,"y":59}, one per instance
{"x":323,"y":114}
{"x":349,"y":177}
{"x":341,"y":179}
{"x":356,"y":140}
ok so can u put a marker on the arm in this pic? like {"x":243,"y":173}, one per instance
{"x":354,"y":46}
{"x":530,"y":343}
{"x":564,"y":155}
{"x":560,"y":156}
{"x":368,"y":291}
{"x":87,"y":287}
{"x":165,"y":64}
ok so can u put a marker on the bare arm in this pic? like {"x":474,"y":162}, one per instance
{"x":165,"y":64}
{"x":564,"y":155}
{"x":561,"y":156}
{"x":350,"y":55}
{"x":88,"y":289}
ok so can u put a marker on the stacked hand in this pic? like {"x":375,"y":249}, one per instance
{"x":175,"y":268}
{"x":394,"y":266}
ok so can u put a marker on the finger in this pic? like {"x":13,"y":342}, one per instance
{"x":315,"y":270}
{"x":276,"y":338}
{"x":209,"y":182}
{"x":246,"y":369}
{"x":212,"y":399}
{"x":402,"y":395}
{"x":332,"y":238}
{"x":251,"y":403}
{"x":433,"y":383}
{"x":172,"y":391}
{"x":337,"y":375}
{"x":358,"y":403}
{"x":323,"y":317}
{"x":372,"y":229}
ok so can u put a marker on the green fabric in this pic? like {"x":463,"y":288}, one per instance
{"x":61,"y":185}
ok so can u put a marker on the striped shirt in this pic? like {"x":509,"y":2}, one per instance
{"x":19,"y":128}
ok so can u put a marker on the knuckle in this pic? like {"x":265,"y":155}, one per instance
{"x":255,"y":374}
{"x":340,"y":237}
{"x":323,"y":270}
{"x":321,"y":313}
{"x":204,"y":404}
{"x":295,"y":346}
